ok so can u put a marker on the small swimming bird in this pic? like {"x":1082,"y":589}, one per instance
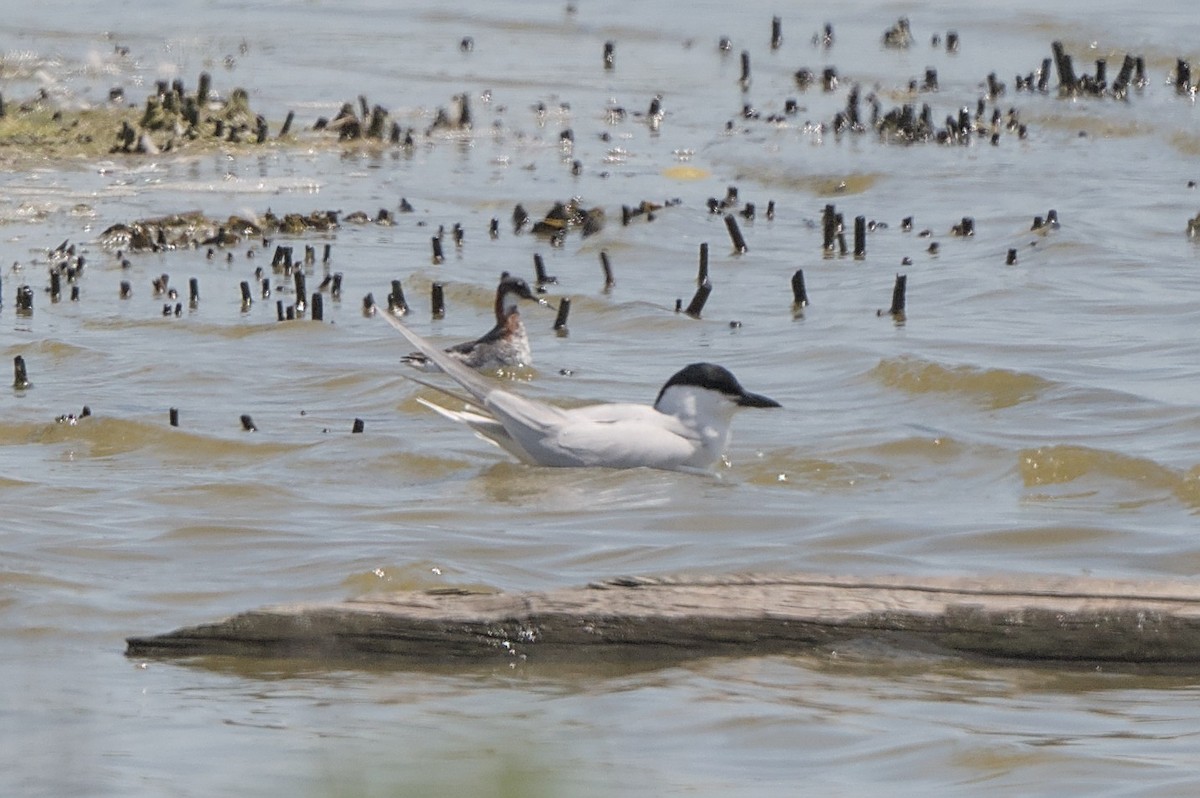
{"x":687,"y":428}
{"x":505,"y":345}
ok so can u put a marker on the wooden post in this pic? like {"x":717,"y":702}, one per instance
{"x":1032,"y":618}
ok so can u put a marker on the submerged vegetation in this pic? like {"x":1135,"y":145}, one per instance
{"x":172,"y":119}
{"x":42,"y":132}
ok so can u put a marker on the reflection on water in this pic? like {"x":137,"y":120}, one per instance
{"x":994,"y":388}
{"x":1144,"y":479}
{"x":1038,"y":415}
{"x":570,"y":491}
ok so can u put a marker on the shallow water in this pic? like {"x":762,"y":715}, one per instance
{"x":1040,"y":416}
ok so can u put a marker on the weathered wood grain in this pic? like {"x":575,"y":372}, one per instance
{"x":1026,"y":617}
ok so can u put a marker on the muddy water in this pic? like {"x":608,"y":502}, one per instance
{"x":1036,"y":416}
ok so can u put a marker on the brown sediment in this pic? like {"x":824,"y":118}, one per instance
{"x":776,"y":175}
{"x":192,"y":229}
{"x":44,"y":133}
{"x":171,"y":120}
{"x":899,"y":35}
{"x":992,"y":388}
{"x":563,"y":217}
{"x":1078,"y":122}
{"x":1185,"y":143}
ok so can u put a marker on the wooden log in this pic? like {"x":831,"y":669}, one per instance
{"x":632,"y":619}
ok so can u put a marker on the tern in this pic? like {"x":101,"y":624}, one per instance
{"x":505,"y":345}
{"x":686,"y":429}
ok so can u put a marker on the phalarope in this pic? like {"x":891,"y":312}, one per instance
{"x":687,"y":428}
{"x":505,"y":345}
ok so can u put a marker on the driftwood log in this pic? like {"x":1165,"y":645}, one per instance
{"x":635,"y":619}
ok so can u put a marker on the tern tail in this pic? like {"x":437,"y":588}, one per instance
{"x":467,"y":378}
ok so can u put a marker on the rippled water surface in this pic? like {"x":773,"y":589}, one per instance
{"x":1036,"y":416}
